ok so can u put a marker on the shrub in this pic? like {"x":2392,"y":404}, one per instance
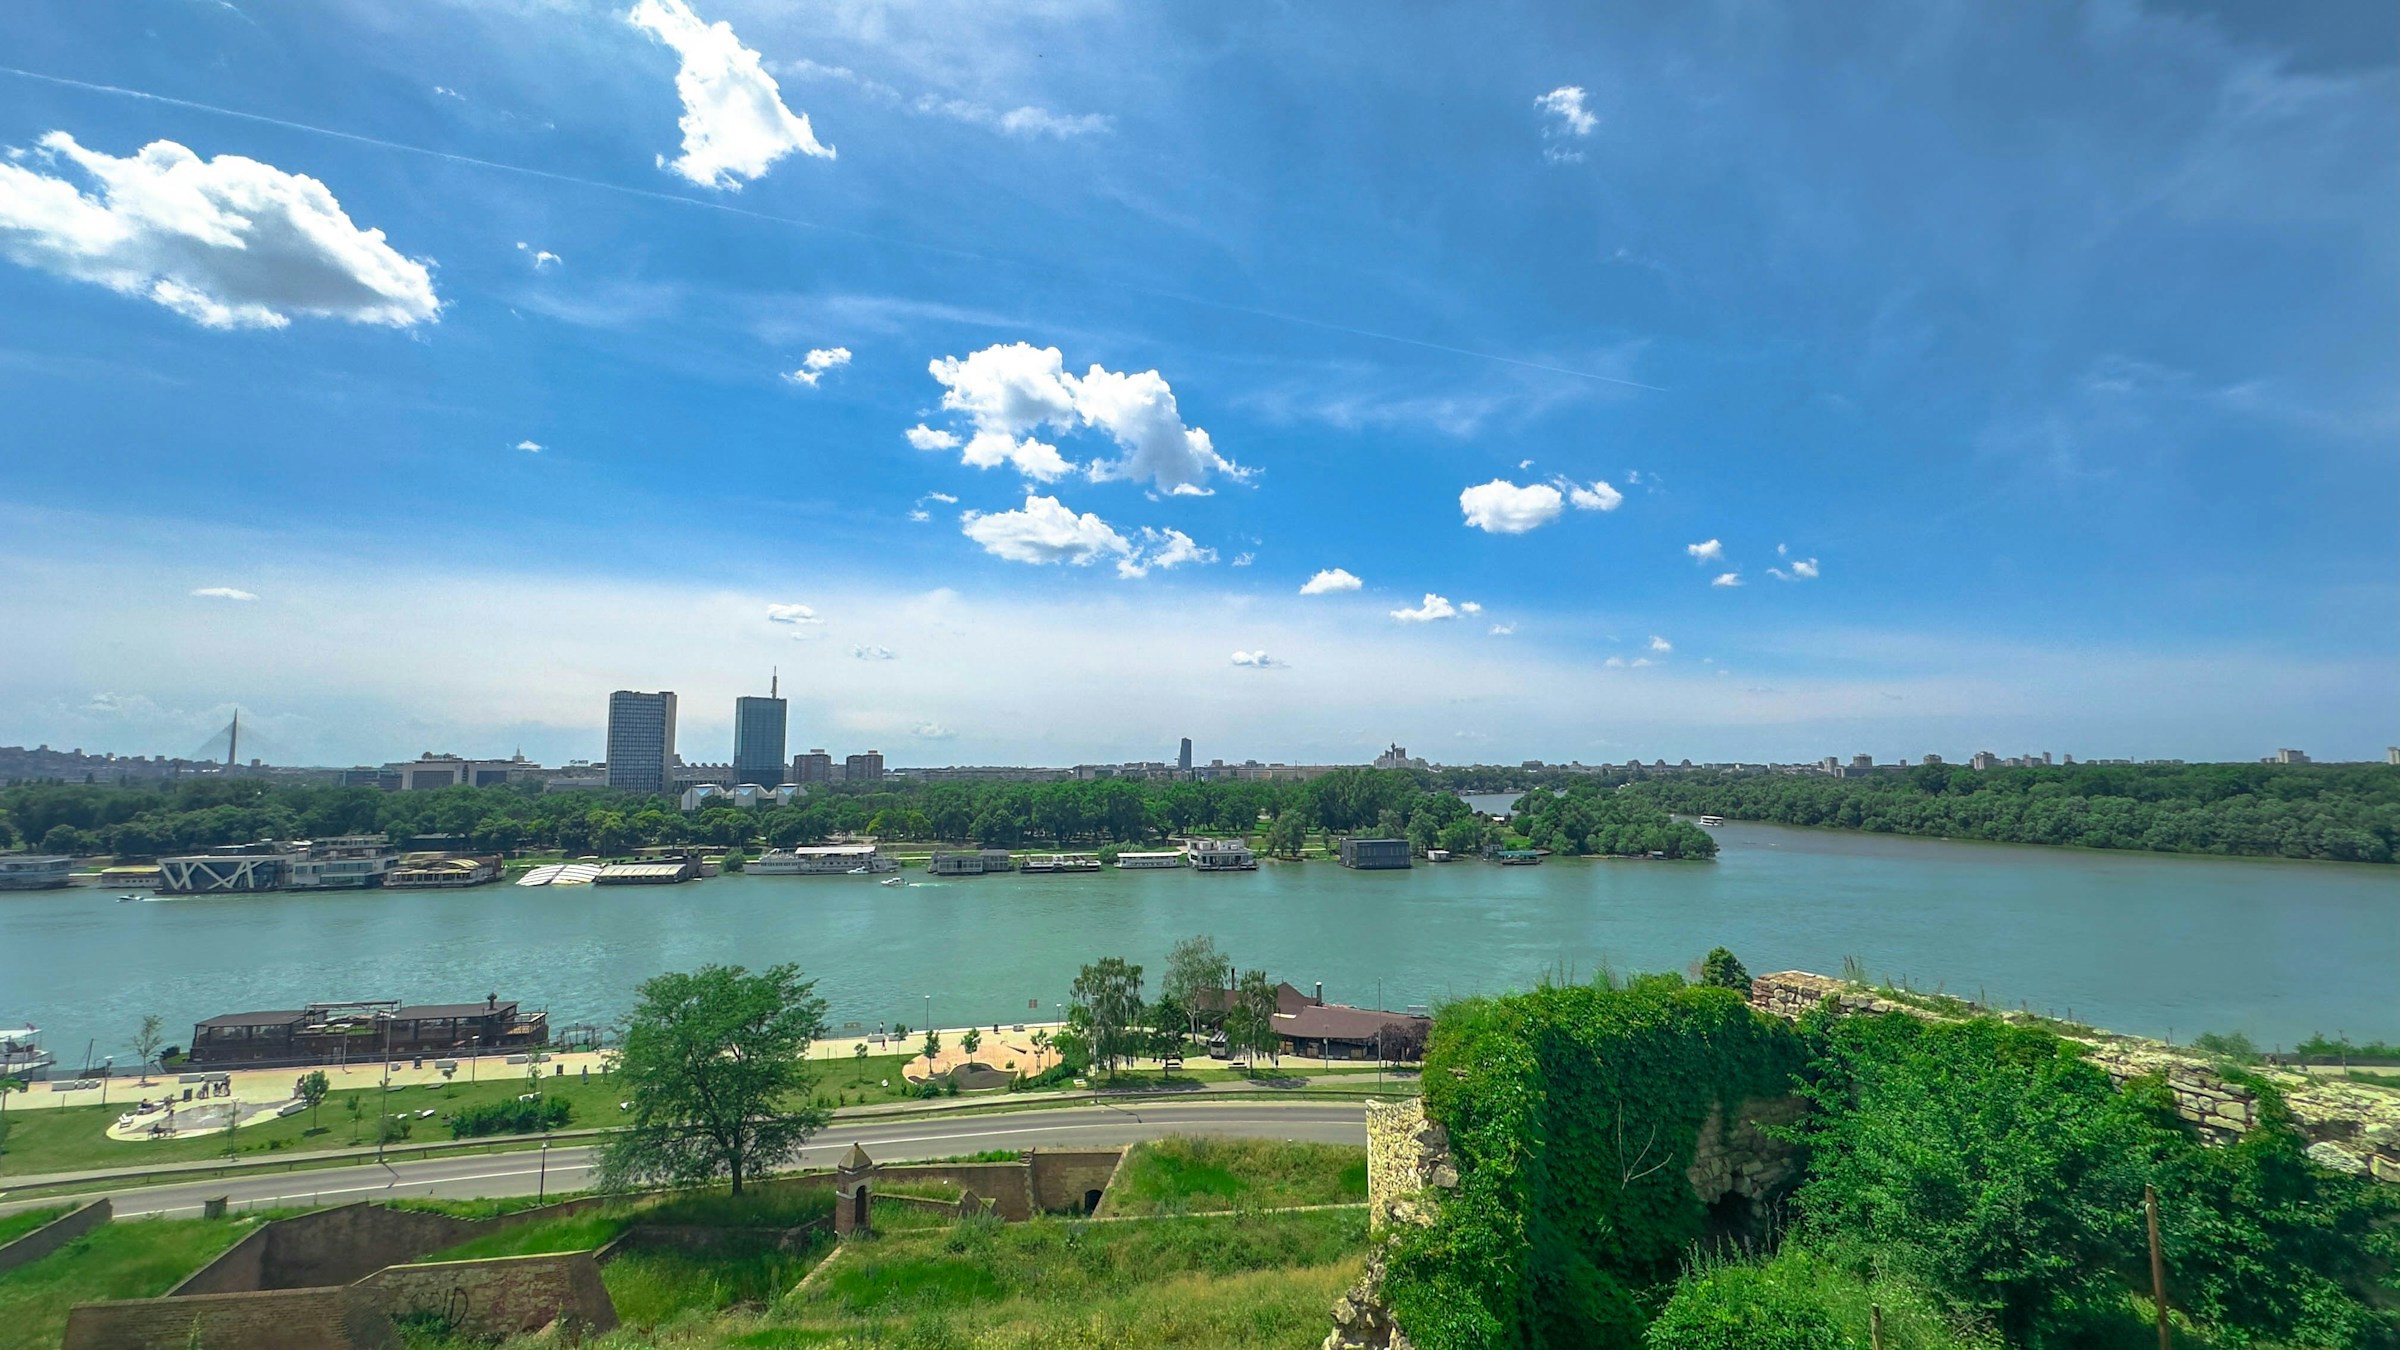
{"x":1742,"y":1307}
{"x":1721,"y":969}
{"x":510,"y":1117}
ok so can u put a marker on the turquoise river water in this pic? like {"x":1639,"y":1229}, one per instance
{"x":2141,"y":943}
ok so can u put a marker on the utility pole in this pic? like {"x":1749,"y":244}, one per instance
{"x":383,"y":1102}
{"x":2158,"y":1266}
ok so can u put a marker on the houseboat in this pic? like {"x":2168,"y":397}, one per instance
{"x":1060,"y":862}
{"x":828,"y":860}
{"x":1138,"y":861}
{"x":1711,"y":822}
{"x":1220,"y":855}
{"x":969,"y":862}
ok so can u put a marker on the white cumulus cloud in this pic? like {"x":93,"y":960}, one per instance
{"x":1330,"y":580}
{"x":1727,"y":579}
{"x":1433,"y":607}
{"x":1258,"y":660}
{"x":924,"y":437}
{"x":734,"y":123}
{"x":1599,"y":496}
{"x":223,"y":593}
{"x":1802,"y":569}
{"x":873,"y":653}
{"x":792,"y":614}
{"x":1007,"y":391}
{"x":1660,"y":644}
{"x":226,"y":242}
{"x":530,"y":447}
{"x":1502,"y":507}
{"x":542,"y":257}
{"x":1566,"y":120}
{"x":1163,"y":548}
{"x":819,"y":360}
{"x":1044,"y":531}
{"x":1503,"y":629}
{"x":1709,"y":550}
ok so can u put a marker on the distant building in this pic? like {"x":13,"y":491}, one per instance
{"x":758,"y":738}
{"x":1183,"y":757}
{"x":2290,"y":757}
{"x":1983,"y":759}
{"x":430,"y":772}
{"x":2391,"y":754}
{"x":33,"y":874}
{"x":641,"y":740}
{"x":1374,"y":855}
{"x":866,"y":768}
{"x":689,"y":775}
{"x":814,"y":767}
{"x":1397,"y":758}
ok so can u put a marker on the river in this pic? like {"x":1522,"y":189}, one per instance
{"x":2136,"y":942}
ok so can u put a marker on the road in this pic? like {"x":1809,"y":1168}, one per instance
{"x":569,"y":1168}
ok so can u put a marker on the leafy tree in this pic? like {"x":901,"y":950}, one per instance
{"x":971,"y":1041}
{"x":1991,"y":1157}
{"x":314,"y":1087}
{"x":1721,"y":969}
{"x":715,"y":1066}
{"x":357,"y":1109}
{"x":1194,"y":966}
{"x":146,"y":1040}
{"x":1250,"y":1021}
{"x":1109,"y":994}
{"x":933,"y":1045}
{"x":1288,"y":835}
{"x":1169,"y":1022}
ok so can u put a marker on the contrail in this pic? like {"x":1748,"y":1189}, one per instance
{"x":723,"y":208}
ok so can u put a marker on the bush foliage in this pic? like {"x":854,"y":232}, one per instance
{"x":510,"y":1117}
{"x":1573,"y":1113}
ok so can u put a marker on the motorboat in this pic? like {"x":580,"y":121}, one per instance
{"x":892,"y":881}
{"x":127,"y":899}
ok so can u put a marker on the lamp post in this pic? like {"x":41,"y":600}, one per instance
{"x":108,"y":1067}
{"x":541,"y":1189}
{"x":383,"y":1099}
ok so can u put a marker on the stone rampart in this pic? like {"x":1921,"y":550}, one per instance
{"x":1406,"y":1155}
{"x":1746,"y":1161}
{"x":55,"y":1234}
{"x":329,"y":1247}
{"x":2350,"y":1129}
{"x":1070,"y":1178}
{"x":478,"y":1300}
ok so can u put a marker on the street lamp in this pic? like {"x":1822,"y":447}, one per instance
{"x":383,"y":1101}
{"x":541,"y":1189}
{"x":108,"y":1069}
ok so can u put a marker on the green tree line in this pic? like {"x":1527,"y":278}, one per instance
{"x":2338,"y":812}
{"x":147,"y":822}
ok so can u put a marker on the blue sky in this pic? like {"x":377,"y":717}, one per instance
{"x":2025,"y":372}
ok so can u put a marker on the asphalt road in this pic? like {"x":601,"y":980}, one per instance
{"x":568,"y":1168}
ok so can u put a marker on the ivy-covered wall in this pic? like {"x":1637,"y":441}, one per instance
{"x":1572,"y":1116}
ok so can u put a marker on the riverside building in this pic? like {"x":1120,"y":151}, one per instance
{"x":758,"y":737}
{"x":641,"y":740}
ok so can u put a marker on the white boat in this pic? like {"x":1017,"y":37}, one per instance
{"x":828,"y":860}
{"x":1711,"y":822}
{"x":893,"y":881}
{"x":1135,"y":861}
{"x":22,"y":1055}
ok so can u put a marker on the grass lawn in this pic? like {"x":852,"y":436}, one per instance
{"x":14,"y":1226}
{"x":138,"y":1258}
{"x":1200,"y":1173}
{"x":72,"y":1139}
{"x":1265,"y":1280}
{"x":651,"y":1287}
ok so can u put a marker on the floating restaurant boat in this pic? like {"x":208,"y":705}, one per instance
{"x":1711,"y":822}
{"x":825,"y":860}
{"x":1140,"y":861}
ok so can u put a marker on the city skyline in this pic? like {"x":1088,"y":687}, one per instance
{"x":1629,"y":387}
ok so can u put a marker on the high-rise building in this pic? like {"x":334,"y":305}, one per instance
{"x":814,"y":767}
{"x":1183,"y":757}
{"x":641,"y":740}
{"x":866,"y":768}
{"x":758,"y":738}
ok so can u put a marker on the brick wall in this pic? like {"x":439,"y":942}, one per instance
{"x":55,"y":1234}
{"x":1063,"y":1178}
{"x":328,"y":1247}
{"x":285,"y":1319}
{"x":485,"y":1300}
{"x":1009,"y":1186}
{"x":488,"y":1300}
